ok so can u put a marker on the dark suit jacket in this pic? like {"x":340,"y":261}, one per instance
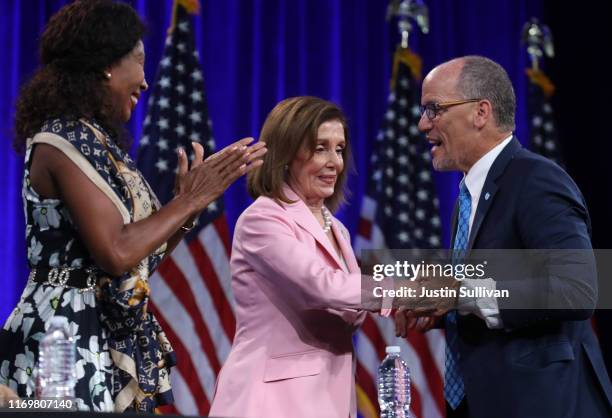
{"x":543,"y":363}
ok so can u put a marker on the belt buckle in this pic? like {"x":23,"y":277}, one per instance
{"x":58,"y":276}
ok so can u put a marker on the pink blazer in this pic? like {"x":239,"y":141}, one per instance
{"x":296,"y":311}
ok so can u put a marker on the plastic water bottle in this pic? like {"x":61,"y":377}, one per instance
{"x":56,"y":361}
{"x":394,"y":386}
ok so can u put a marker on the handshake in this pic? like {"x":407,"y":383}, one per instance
{"x":423,"y":302}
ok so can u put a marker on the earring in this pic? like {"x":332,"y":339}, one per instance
{"x":108,"y":75}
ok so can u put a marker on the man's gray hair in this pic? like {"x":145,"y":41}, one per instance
{"x":482,"y":78}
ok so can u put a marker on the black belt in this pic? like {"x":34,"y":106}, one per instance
{"x":80,"y":278}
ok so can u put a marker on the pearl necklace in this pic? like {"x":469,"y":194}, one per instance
{"x":326,"y":219}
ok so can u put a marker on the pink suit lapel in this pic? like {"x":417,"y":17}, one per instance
{"x":303,"y":217}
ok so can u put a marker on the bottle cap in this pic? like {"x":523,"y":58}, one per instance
{"x":392,"y":349}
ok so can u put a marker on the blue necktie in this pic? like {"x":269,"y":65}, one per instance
{"x":453,"y":386}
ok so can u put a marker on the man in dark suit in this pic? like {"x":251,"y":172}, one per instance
{"x":504,"y":362}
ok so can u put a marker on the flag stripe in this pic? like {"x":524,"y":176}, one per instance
{"x":183,"y":397}
{"x":185,"y":262}
{"x":180,"y":287}
{"x":185,"y":366}
{"x":185,"y":335}
{"x":208,"y":274}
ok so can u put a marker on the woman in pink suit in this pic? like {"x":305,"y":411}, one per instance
{"x":294,"y":275}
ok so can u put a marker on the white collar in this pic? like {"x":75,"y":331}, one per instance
{"x":476,"y":176}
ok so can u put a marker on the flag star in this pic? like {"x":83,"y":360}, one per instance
{"x":209,"y":123}
{"x":144,"y":141}
{"x":422,"y":194}
{"x":434,"y":241}
{"x":194,"y":137}
{"x":435,"y":221}
{"x":380,"y":136}
{"x":402,"y":140}
{"x":418,"y":233}
{"x":196,"y":75}
{"x":162,"y":165}
{"x":403,"y":197}
{"x":180,"y":88}
{"x":196,"y":96}
{"x":420,"y":214}
{"x":180,"y":130}
{"x":183,"y":26}
{"x":163,"y":102}
{"x":389,"y":191}
{"x":389,"y":133}
{"x":147,"y":120}
{"x":537,"y":139}
{"x":377,"y":175}
{"x":162,"y":144}
{"x":389,"y":172}
{"x":425,"y":175}
{"x":403,"y":217}
{"x":196,"y":55}
{"x":390,"y":153}
{"x":391,"y":97}
{"x":162,"y":123}
{"x":416,"y":111}
{"x":402,"y":102}
{"x":180,"y":68}
{"x":166,"y":62}
{"x":414,"y":130}
{"x":536,"y":121}
{"x":212,"y":207}
{"x":195,"y":117}
{"x":390,"y":115}
{"x":402,"y":121}
{"x":211,"y":144}
{"x":180,"y":109}
{"x":180,"y":46}
{"x":402,"y":236}
{"x":388,"y":211}
{"x":547,"y":108}
{"x":374,"y":158}
{"x":164,"y":82}
{"x":403,"y":179}
{"x":549,"y":127}
{"x":549,"y":145}
{"x":404,"y":82}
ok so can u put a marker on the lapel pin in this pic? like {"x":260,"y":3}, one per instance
{"x":487,"y":195}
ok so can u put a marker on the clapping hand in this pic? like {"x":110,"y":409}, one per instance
{"x":207,"y":179}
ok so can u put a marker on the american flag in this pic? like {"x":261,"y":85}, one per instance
{"x":190,"y":290}
{"x":543,"y":137}
{"x":400,"y":210}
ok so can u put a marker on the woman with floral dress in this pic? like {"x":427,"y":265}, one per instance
{"x":95,"y":231}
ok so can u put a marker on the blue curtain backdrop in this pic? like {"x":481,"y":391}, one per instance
{"x":257,"y":52}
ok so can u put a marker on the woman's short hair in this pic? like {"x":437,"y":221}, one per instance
{"x":291,"y":125}
{"x":78,"y":43}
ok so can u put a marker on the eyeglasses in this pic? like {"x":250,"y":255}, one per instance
{"x":433,"y":109}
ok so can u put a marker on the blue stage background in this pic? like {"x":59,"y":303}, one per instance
{"x":255,"y":53}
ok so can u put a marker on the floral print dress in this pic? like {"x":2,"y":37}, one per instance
{"x":123,"y":356}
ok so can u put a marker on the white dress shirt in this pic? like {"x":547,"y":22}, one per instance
{"x":485,"y":308}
